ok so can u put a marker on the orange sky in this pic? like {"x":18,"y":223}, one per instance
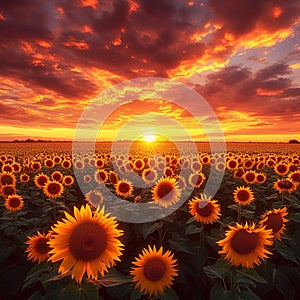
{"x":242,"y":56}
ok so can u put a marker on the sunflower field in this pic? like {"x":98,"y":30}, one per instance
{"x":61,"y":240}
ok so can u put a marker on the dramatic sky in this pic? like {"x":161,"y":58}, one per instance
{"x":242,"y":56}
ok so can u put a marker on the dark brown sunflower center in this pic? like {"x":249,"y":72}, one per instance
{"x":53,"y":188}
{"x":42,"y":180}
{"x":154,"y":269}
{"x":260,"y":178}
{"x":243,"y":195}
{"x":138,"y":164}
{"x":149,"y":175}
{"x":41,"y":246}
{"x":274,"y":222}
{"x":6,"y":179}
{"x":8,"y":190}
{"x":239,"y":173}
{"x":14,"y":202}
{"x":196,"y":179}
{"x":87,"y":241}
{"x":285,"y":184}
{"x":282,"y":168}
{"x":232,"y":164}
{"x":250,"y":177}
{"x":206,"y":210}
{"x":296,"y":177}
{"x":244,"y":242}
{"x":248,"y":164}
{"x":164,"y":190}
{"x":68,"y":180}
{"x":57,"y":176}
{"x":49,"y":163}
{"x":95,"y":198}
{"x":124,"y":187}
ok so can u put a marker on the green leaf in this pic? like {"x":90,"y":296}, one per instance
{"x":36,"y":296}
{"x":252,"y":274}
{"x":169,"y":294}
{"x":181,"y":244}
{"x":192,"y":229}
{"x":89,"y":291}
{"x":136,"y":294}
{"x":5,"y":252}
{"x":295,"y":217}
{"x":218,"y":270}
{"x":284,"y":286}
{"x":217,"y":292}
{"x":285,"y":252}
{"x":71,"y":292}
{"x":149,"y":228}
{"x":190,"y":220}
{"x":34,"y":275}
{"x":247,"y":294}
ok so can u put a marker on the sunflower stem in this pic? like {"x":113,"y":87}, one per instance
{"x":239,"y":213}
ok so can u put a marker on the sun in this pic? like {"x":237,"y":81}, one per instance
{"x":150,"y":138}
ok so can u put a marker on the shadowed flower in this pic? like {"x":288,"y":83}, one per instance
{"x":243,"y":195}
{"x":204,"y":210}
{"x":14,"y":202}
{"x":123,"y":188}
{"x":166,"y":192}
{"x":53,"y":189}
{"x":154,"y":271}
{"x":285,"y":185}
{"x":244,"y":245}
{"x":275,"y":220}
{"x":86,"y":243}
{"x":38,"y":249}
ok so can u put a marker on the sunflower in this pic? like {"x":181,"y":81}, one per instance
{"x":16,"y":167}
{"x":113,"y":177}
{"x":154,"y":271}
{"x":123,"y":188}
{"x":49,"y":163}
{"x":232,"y":164}
{"x":181,"y":182}
{"x":57,"y":159}
{"x":248,"y":164}
{"x":66,"y":164}
{"x":79,"y":165}
{"x":196,"y":179}
{"x":261,"y":178}
{"x":67,"y":180}
{"x":7,"y":168}
{"x":14,"y":202}
{"x":36,"y":166}
{"x":238,"y":173}
{"x":204,"y":210}
{"x":24,"y":177}
{"x":138,"y":165}
{"x":205,"y":159}
{"x":287,"y":185}
{"x":87,"y":178}
{"x":249,"y":177}
{"x":281,"y":169}
{"x":220,"y":166}
{"x":94,"y":197}
{"x":87,"y":242}
{"x":243,"y":195}
{"x":166,"y":192}
{"x":7,"y":178}
{"x":245,"y":245}
{"x":40,"y":180}
{"x":275,"y":220}
{"x":270,"y":163}
{"x":168,"y":172}
{"x":7,"y":190}
{"x":196,"y":166}
{"x":57,"y":175}
{"x":53,"y":189}
{"x":38,"y":249}
{"x":149,"y":175}
{"x":100,"y":176}
{"x":295,"y":177}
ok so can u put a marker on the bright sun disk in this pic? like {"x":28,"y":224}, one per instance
{"x":149,"y":138}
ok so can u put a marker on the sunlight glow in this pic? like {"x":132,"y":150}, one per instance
{"x":149,"y":138}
